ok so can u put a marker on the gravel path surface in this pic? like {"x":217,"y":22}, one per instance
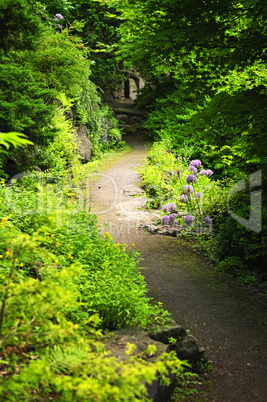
{"x":228,"y":321}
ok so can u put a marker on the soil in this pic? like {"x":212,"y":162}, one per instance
{"x":228,"y":321}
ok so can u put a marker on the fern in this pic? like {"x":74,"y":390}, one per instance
{"x":16,"y":139}
{"x":66,"y":359}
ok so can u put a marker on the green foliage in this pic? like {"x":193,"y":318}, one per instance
{"x":16,"y":139}
{"x":25,"y":99}
{"x":108,"y":270}
{"x":164,"y":178}
{"x":19,"y":24}
{"x":99,"y":35}
{"x":63,"y":150}
{"x":60,"y":281}
{"x":244,"y":245}
{"x":223,"y":131}
{"x":234,"y":247}
{"x":89,"y":376}
{"x":195,"y":41}
{"x":189,"y":383}
{"x":33,"y":82}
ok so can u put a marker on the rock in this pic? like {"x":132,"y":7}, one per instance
{"x":107,"y":96}
{"x":153,"y":229}
{"x":123,"y":118}
{"x":132,"y":191}
{"x":174,"y":331}
{"x":84,"y":144}
{"x":161,"y":393}
{"x":117,"y":345}
{"x":188,"y":349}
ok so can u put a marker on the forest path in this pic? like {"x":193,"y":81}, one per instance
{"x":227,"y":321}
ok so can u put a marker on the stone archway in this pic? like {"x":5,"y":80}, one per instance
{"x":131,"y":87}
{"x":133,"y":84}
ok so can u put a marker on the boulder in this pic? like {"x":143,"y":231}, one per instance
{"x":188,"y":349}
{"x":162,"y":335}
{"x":117,"y":345}
{"x":84,"y":144}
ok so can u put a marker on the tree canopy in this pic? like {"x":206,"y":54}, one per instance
{"x":195,"y":40}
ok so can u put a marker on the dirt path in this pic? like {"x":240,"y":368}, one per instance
{"x":228,"y":322}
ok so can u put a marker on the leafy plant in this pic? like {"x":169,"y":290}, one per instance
{"x":15,"y":139}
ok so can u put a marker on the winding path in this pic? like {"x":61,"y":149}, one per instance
{"x":228,"y":322}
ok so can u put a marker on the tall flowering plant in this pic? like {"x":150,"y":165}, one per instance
{"x":190,"y":200}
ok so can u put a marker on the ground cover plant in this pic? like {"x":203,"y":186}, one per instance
{"x":63,"y":285}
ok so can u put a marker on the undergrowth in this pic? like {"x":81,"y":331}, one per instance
{"x":234,"y":248}
{"x":64,"y":285}
{"x":190,"y":383}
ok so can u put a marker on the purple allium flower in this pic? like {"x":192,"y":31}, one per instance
{"x":191,"y":178}
{"x":208,"y":221}
{"x":203,"y":172}
{"x":171,"y":207}
{"x":59,"y":16}
{"x":172,"y":218}
{"x":188,"y":189}
{"x":196,"y":163}
{"x":189,"y":220}
{"x":209,"y":172}
{"x":192,"y":169}
{"x":59,"y":26}
{"x":198,"y":195}
{"x":165,"y":208}
{"x":180,"y":214}
{"x":165,"y":220}
{"x":183,"y":198}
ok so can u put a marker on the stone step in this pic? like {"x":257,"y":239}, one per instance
{"x":128,"y":112}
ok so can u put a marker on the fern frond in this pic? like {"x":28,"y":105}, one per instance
{"x":16,"y":139}
{"x":66,"y":359}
